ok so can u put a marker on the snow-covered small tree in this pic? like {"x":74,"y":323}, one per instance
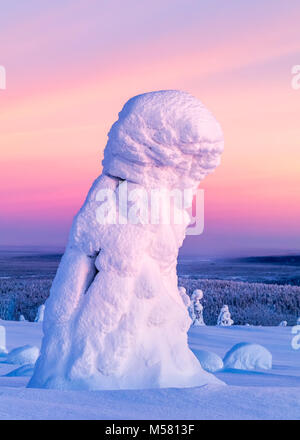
{"x":2,"y":339}
{"x":22,"y":318}
{"x":40,"y":314}
{"x":224,"y":319}
{"x":283,"y":324}
{"x":196,"y":308}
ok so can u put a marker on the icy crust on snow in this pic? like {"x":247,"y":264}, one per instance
{"x":115,"y":318}
{"x":246,"y":356}
{"x":163,"y":137}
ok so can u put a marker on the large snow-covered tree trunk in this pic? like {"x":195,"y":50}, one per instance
{"x":115,"y":318}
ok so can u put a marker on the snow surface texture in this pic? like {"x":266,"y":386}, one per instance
{"x":224,"y":318}
{"x":2,"y":339}
{"x":209,"y":361}
{"x":165,"y":138}
{"x":184,"y":296}
{"x":264,"y":394}
{"x":115,"y":318}
{"x":245,"y":356}
{"x":196,"y":308}
{"x":27,"y":354}
{"x":40,"y":314}
{"x":24,"y":371}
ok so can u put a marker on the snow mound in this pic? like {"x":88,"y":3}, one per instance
{"x":246,"y":356}
{"x":209,"y":361}
{"x":27,"y":354}
{"x":2,"y":340}
{"x":24,"y":371}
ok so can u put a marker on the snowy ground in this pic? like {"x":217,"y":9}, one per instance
{"x":272,"y":394}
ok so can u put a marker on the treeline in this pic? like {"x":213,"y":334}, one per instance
{"x":255,"y":303}
{"x":249,"y":303}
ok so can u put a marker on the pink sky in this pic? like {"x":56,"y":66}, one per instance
{"x":71,"y":66}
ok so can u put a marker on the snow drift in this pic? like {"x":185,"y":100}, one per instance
{"x":27,"y":354}
{"x":23,"y":371}
{"x":209,"y":361}
{"x":115,"y":318}
{"x":246,"y":356}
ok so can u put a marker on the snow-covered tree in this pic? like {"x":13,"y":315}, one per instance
{"x":197,"y":308}
{"x":224,"y":319}
{"x":114,"y":318}
{"x":2,"y":339}
{"x":22,"y":318}
{"x":40,"y":313}
{"x":282,"y":324}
